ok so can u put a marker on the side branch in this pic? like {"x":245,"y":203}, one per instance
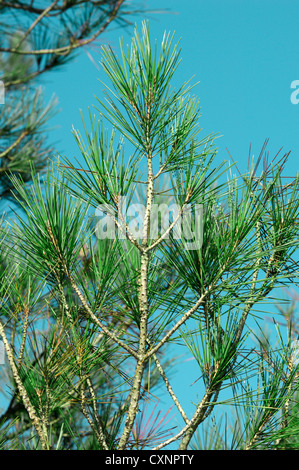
{"x":84,"y":302}
{"x":184,"y":318}
{"x":22,"y":390}
{"x":74,"y":44}
{"x":170,"y":390}
{"x":15,"y":143}
{"x":193,"y":423}
{"x":35,"y":22}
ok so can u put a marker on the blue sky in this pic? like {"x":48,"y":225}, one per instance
{"x":245,"y":55}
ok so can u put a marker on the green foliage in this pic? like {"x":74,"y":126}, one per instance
{"x":87,"y":321}
{"x":36,"y":38}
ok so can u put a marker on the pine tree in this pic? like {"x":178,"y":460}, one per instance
{"x":194,"y":278}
